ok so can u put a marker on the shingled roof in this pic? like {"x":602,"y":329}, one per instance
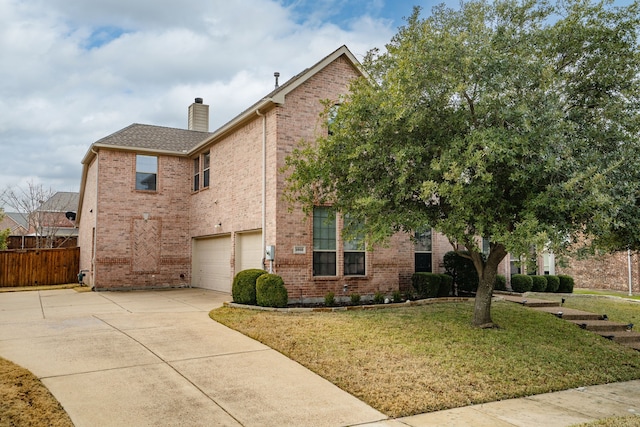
{"x":154,"y":138}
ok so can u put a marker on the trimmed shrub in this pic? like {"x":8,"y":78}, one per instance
{"x":566,"y":284}
{"x":243,"y":288}
{"x":446,"y":285}
{"x":271,"y":292}
{"x":521,"y":283}
{"x":355,"y":299}
{"x":501,"y":283}
{"x":553,"y":283}
{"x":462,"y":270}
{"x":426,"y":284}
{"x":330,"y":299}
{"x":539,"y":283}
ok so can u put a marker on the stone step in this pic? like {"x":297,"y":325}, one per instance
{"x":600,"y":325}
{"x":570,"y":313}
{"x":623,"y":337}
{"x":529,"y":302}
{"x":633,"y":345}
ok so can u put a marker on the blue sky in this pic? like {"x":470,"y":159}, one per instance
{"x":74,"y":71}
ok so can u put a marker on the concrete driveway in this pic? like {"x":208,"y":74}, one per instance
{"x":154,"y":358}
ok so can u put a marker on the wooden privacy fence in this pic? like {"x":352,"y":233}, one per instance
{"x":38,"y":267}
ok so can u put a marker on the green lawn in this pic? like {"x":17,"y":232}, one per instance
{"x":617,"y":309}
{"x":410,"y":360}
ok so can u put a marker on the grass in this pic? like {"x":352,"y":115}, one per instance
{"x":625,"y":421}
{"x":605,"y":292}
{"x":25,"y":401}
{"x":617,"y":309}
{"x":411,"y":360}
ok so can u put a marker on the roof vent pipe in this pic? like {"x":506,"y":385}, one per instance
{"x":276,"y":75}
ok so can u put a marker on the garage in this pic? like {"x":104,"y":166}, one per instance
{"x":249,"y":251}
{"x":210,"y":268}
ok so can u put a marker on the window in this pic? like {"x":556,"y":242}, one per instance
{"x":423,"y":251}
{"x":354,"y":250}
{"x":324,"y":242}
{"x":196,"y":174}
{"x":486,"y":246}
{"x":331,"y":118}
{"x":146,"y":172}
{"x":206,"y":163}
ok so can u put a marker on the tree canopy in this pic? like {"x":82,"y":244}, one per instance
{"x":513,"y":120}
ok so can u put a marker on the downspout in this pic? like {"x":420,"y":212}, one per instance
{"x":264,"y":184}
{"x":94,"y":233}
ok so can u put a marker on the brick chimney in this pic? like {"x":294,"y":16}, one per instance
{"x":199,"y":116}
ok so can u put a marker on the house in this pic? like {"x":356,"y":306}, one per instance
{"x":16,"y":222}
{"x":163,"y":207}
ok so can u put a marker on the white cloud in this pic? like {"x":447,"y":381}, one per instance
{"x":72,"y":71}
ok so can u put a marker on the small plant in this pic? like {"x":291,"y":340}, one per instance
{"x":378,"y":298}
{"x":539,"y":283}
{"x":271,"y":292}
{"x":397,"y":296}
{"x":501,"y":283}
{"x":566,"y":284}
{"x":553,"y":283}
{"x":355,"y":299}
{"x":446,"y":285}
{"x":521,"y":283}
{"x":243,"y":288}
{"x":426,"y":284}
{"x":330,"y":299}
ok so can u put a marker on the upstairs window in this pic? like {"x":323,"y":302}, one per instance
{"x":146,"y":172}
{"x":354,"y":250}
{"x":196,"y":174}
{"x":423,"y":251}
{"x":206,"y":165}
{"x":324,"y":242}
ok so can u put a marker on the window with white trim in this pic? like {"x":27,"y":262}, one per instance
{"x":206,"y":167}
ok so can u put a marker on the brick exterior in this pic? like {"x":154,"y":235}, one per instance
{"x":603,"y":272}
{"x":144,"y":239}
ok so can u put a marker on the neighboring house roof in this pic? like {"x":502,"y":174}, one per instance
{"x":19,"y":218}
{"x":61,"y":202}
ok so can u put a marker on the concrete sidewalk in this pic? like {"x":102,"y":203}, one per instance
{"x":560,"y":409}
{"x":154,"y":358}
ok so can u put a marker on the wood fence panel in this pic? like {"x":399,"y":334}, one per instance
{"x":39,"y":267}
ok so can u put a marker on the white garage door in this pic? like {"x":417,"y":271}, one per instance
{"x":249,"y":251}
{"x":211,"y":263}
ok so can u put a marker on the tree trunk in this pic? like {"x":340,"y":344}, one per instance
{"x":487,"y":272}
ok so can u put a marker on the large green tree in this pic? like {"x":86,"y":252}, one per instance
{"x":512,"y":120}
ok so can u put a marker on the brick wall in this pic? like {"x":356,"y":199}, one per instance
{"x":142,"y":238}
{"x":603,"y":272}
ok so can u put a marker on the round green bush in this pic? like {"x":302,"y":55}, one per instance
{"x":243,"y":288}
{"x":446,"y":285}
{"x":462,"y":270}
{"x":521,"y":283}
{"x":501,"y":283}
{"x":566,"y":284}
{"x":553,"y":283}
{"x":426,"y":284}
{"x":539,"y":283}
{"x":271,"y":292}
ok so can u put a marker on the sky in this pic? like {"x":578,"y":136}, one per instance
{"x":75,"y":71}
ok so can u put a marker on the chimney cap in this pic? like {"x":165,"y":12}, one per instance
{"x":198,"y":100}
